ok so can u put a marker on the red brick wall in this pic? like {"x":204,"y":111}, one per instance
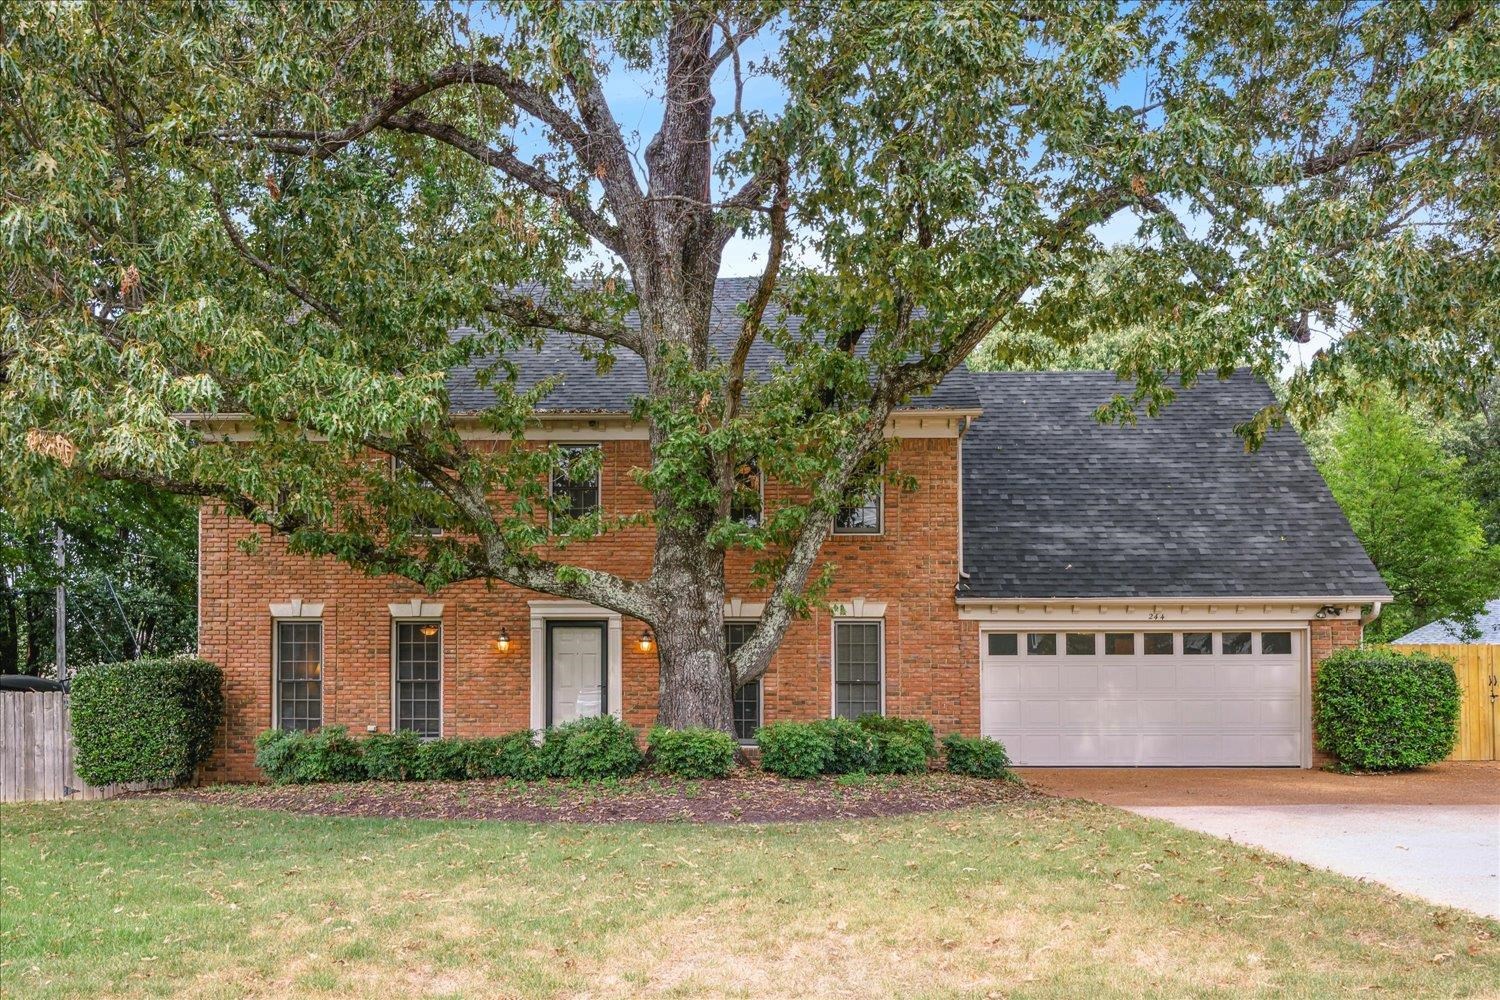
{"x":1327,"y":636}
{"x":931,"y":665}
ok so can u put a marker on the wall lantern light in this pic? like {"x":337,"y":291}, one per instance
{"x":647,"y":641}
{"x":502,"y":644}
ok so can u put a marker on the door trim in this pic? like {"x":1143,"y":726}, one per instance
{"x":543,"y":611}
{"x":603,"y":627}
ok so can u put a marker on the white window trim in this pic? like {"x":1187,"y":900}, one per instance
{"x":598,"y":480}
{"x":561,"y":610}
{"x":760,"y":703}
{"x":276,"y":623}
{"x":879,"y":506}
{"x":396,"y":623}
{"x":833,"y":660}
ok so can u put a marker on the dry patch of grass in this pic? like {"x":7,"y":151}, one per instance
{"x":1037,"y":898}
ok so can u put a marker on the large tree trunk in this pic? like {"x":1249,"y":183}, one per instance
{"x":695,"y":684}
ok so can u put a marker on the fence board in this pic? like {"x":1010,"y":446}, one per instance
{"x":36,"y":751}
{"x":1478,"y":670}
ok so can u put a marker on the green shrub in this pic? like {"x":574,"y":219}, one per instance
{"x":145,"y":720}
{"x":511,"y":756}
{"x":330,"y":754}
{"x":978,"y":757}
{"x":919,"y":731}
{"x":692,"y":753}
{"x":327,"y":754}
{"x":599,"y":747}
{"x":899,"y":754}
{"x":276,"y":753}
{"x":794,"y":749}
{"x":1379,"y":710}
{"x":442,"y":760}
{"x":851,"y":748}
{"x":392,"y":756}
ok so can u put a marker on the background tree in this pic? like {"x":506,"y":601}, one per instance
{"x":131,"y":577}
{"x":1407,"y":504}
{"x":282,"y":211}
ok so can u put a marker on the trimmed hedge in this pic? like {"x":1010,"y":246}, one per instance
{"x":794,"y":749}
{"x":599,"y":747}
{"x":899,"y":754}
{"x":851,"y":748}
{"x":692,"y":753}
{"x":390,"y":756}
{"x":145,"y":720}
{"x":1376,"y":709}
{"x":978,"y":757}
{"x":919,"y":731}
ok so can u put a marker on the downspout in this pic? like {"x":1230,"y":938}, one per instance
{"x":1366,"y":619}
{"x":963,"y":574}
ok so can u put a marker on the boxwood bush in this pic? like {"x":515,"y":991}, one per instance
{"x":851,"y":748}
{"x":692,"y":753}
{"x":598,"y":747}
{"x":1376,"y":709}
{"x":794,"y":749}
{"x":899,"y":754}
{"x":327,"y":754}
{"x":514,"y":756}
{"x":443,"y":760}
{"x":145,"y":720}
{"x":391,"y":756}
{"x":978,"y":757}
{"x":919,"y":731}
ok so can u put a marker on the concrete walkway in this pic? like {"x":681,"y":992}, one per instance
{"x":1444,"y":854}
{"x":1433,"y":833}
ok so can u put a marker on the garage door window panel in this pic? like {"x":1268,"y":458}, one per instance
{"x":1119,"y":644}
{"x":1236,"y":643}
{"x":1276,"y":643}
{"x":1002,"y":644}
{"x":1159,"y":644}
{"x":1041,"y":644}
{"x":1197,"y":644}
{"x":1081,"y":643}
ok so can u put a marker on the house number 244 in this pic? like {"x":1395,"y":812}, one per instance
{"x":1157,"y":616}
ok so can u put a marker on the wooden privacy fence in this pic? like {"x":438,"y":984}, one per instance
{"x":36,"y":750}
{"x":1478,"y":670}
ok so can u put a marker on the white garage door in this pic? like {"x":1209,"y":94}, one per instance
{"x":1110,"y":698}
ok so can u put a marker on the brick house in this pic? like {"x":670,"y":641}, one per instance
{"x":1089,"y":594}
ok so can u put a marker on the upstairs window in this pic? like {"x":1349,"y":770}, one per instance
{"x":864,"y":517}
{"x":749,"y":501}
{"x":423,"y":524}
{"x":575,"y":480}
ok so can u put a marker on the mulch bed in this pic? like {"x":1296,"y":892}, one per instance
{"x":747,"y":796}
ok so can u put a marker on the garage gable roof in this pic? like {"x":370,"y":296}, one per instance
{"x":1058,"y":505}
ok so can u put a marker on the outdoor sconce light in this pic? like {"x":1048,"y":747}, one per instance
{"x":502,"y":644}
{"x":647,"y":641}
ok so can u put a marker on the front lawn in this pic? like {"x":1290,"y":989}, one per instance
{"x":1033,"y":898}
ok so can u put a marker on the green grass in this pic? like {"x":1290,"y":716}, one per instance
{"x":1044,"y":898}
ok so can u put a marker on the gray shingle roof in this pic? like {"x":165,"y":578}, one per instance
{"x":1447,"y":631}
{"x":1059,"y":505}
{"x":584,"y":390}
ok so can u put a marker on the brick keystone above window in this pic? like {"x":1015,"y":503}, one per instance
{"x":858,"y":607}
{"x":296,"y":608}
{"x":417,"y":608}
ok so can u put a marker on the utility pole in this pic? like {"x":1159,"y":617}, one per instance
{"x":60,"y":635}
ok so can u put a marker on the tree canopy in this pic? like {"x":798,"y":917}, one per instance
{"x":282,"y":211}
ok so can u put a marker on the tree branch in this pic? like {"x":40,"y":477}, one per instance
{"x":266,"y":267}
{"x":574,"y":204}
{"x":527,"y":312}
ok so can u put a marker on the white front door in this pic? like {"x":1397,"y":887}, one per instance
{"x":576,"y":671}
{"x":1205,"y":697}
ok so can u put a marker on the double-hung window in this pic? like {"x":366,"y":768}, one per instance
{"x":749,"y":501}
{"x":858,"y":662}
{"x":747,"y":705}
{"x":299,"y":674}
{"x":419,"y":678}
{"x":575,"y":480}
{"x":864,"y":516}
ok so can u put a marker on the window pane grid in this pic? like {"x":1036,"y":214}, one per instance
{"x":856,"y":669}
{"x":746,"y":696}
{"x":299,"y":681}
{"x":419,"y":671}
{"x":581,"y":496}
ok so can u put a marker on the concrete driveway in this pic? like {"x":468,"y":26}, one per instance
{"x":1434,"y":834}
